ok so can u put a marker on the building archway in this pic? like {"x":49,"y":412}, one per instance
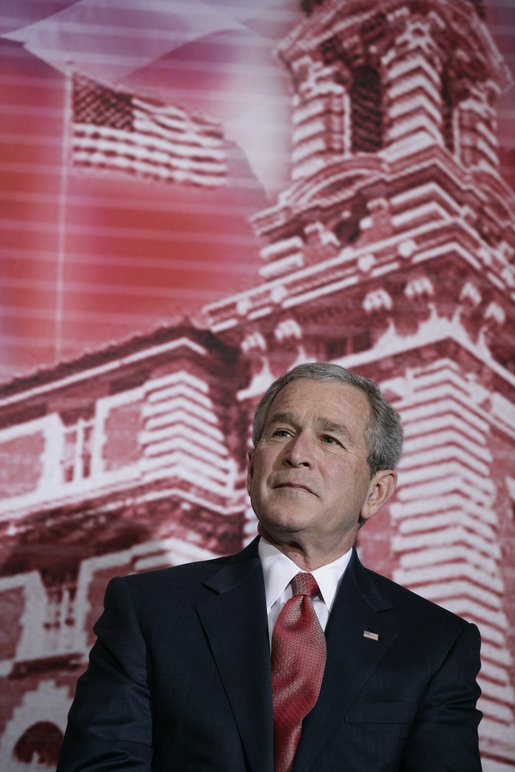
{"x":39,"y":744}
{"x":367,"y":110}
{"x":33,"y":736}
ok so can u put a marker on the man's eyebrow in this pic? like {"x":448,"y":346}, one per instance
{"x":335,"y":428}
{"x":282,"y":418}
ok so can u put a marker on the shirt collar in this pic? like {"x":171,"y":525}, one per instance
{"x":279,"y":570}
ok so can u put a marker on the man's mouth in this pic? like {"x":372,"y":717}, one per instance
{"x":295,"y":486}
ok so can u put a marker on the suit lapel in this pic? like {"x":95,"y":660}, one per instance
{"x":351,"y":657}
{"x":235,"y":623}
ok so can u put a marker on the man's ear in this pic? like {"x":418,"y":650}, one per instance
{"x":380,"y":490}
{"x":250,"y":468}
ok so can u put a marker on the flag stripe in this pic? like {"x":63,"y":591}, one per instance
{"x":107,"y":142}
{"x":118,"y":131}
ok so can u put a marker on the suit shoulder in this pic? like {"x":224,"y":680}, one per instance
{"x":413,"y":605}
{"x":183,"y":576}
{"x":180,"y":574}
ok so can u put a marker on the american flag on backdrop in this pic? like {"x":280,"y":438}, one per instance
{"x":120,"y":131}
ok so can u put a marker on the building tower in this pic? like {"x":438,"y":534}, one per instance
{"x":390,"y":251}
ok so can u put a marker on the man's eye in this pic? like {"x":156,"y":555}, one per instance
{"x":329,"y":440}
{"x":280,"y":433}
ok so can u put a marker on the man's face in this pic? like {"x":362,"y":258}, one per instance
{"x":308,"y":477}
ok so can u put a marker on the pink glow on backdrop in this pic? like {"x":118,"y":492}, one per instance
{"x":92,"y":258}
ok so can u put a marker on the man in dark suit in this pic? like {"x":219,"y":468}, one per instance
{"x":180,"y":677}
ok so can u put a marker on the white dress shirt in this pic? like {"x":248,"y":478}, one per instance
{"x":279,"y":570}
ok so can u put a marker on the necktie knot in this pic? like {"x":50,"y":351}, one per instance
{"x":304,"y":584}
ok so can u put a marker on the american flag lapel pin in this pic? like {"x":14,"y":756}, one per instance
{"x":371,"y":635}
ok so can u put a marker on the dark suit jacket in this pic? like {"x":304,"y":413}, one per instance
{"x":179,"y":679}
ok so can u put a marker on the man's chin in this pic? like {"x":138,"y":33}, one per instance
{"x":281,"y":524}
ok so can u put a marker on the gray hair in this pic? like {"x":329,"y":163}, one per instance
{"x":383,"y":434}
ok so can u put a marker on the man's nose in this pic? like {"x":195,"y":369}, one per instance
{"x":299,"y":451}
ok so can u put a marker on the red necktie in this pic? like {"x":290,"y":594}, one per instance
{"x":298,"y":661}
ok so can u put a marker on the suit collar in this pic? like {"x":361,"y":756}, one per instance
{"x":364,"y":582}
{"x":235,"y":623}
{"x":235,"y":569}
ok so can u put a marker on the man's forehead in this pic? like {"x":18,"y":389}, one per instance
{"x":346,"y":404}
{"x":343,"y":394}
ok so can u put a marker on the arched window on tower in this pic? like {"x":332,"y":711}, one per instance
{"x":39,"y":744}
{"x":479,"y":5}
{"x":366,"y":110}
{"x":447,"y":114}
